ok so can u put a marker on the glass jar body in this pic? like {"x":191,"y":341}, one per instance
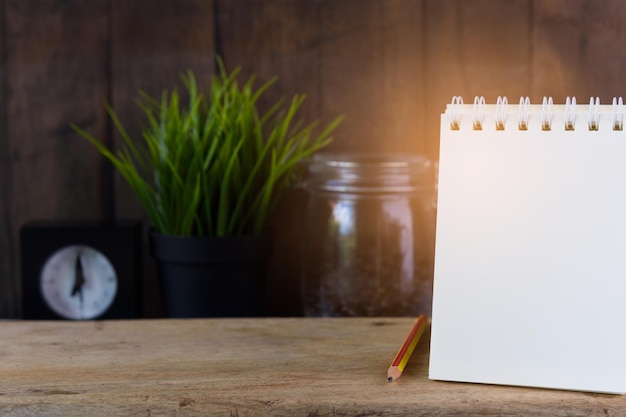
{"x":369,"y":237}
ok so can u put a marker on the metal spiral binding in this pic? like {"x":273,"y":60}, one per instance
{"x":522,"y":113}
{"x":500,"y":113}
{"x":455,"y":120}
{"x":617,"y":114}
{"x":593,"y":119}
{"x":477,"y":117}
{"x":546,"y":113}
{"x":570,"y":113}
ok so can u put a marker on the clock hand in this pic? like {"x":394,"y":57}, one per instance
{"x":79,"y":279}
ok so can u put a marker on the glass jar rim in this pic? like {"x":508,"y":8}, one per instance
{"x":368,"y":159}
{"x":370,"y":173}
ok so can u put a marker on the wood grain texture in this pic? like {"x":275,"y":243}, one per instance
{"x":8,"y":284}
{"x":372,"y":70}
{"x":476,"y":48}
{"x":54,"y":75}
{"x":153,"y":43}
{"x":56,"y":69}
{"x":273,"y":38}
{"x":579,"y":49}
{"x":247,"y":367}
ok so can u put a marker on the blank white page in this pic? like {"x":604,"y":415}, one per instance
{"x":530,"y":260}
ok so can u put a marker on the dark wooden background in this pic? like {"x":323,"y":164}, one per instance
{"x":389,"y":65}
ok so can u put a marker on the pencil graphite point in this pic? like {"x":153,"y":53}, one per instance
{"x":390,"y":379}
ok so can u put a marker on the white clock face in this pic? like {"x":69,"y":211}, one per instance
{"x":78,"y":282}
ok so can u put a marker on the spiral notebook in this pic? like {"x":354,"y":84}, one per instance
{"x":530,"y":258}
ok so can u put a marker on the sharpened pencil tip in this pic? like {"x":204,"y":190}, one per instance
{"x":390,"y":379}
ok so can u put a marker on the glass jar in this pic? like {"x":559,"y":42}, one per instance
{"x":369,"y":236}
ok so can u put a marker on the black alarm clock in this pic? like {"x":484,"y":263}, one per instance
{"x":81,"y":270}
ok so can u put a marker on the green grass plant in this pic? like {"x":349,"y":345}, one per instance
{"x":212,"y":165}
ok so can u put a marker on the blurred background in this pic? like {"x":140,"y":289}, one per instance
{"x":390,"y":66}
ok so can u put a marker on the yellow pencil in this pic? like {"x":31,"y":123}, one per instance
{"x":398,"y":364}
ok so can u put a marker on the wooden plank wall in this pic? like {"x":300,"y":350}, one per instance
{"x":389,"y":65}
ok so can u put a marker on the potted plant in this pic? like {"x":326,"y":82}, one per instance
{"x":209,"y":172}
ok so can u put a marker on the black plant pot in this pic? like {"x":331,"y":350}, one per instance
{"x":211,"y":277}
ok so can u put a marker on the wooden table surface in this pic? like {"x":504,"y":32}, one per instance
{"x":247,"y":367}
